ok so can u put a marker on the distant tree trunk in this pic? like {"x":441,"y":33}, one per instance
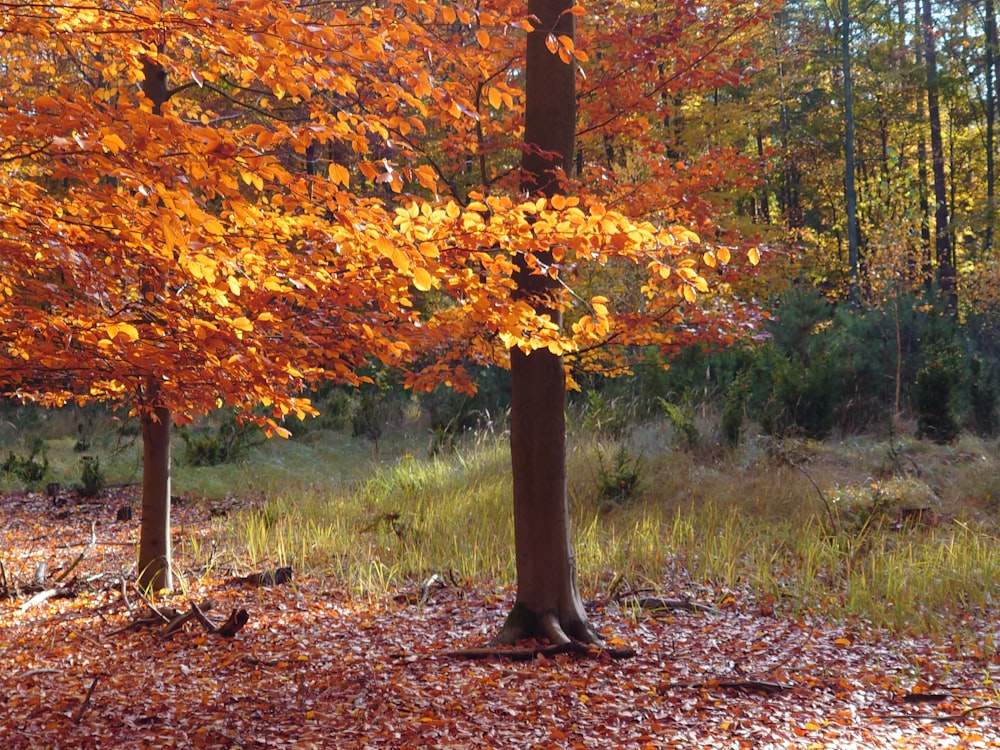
{"x":548,"y":605}
{"x":942,"y":237}
{"x":155,"y":555}
{"x":850,"y":193}
{"x":991,"y":116}
{"x":762,"y":212}
{"x":926,"y":263}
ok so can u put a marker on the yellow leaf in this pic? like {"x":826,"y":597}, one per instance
{"x":496,"y":99}
{"x":214,"y":226}
{"x":842,"y":642}
{"x":689,"y":293}
{"x":422,"y":279}
{"x":723,"y":255}
{"x":754,"y":255}
{"x":483,"y":38}
{"x":126,"y":330}
{"x":709,"y":259}
{"x":234,"y":286}
{"x":252,"y":178}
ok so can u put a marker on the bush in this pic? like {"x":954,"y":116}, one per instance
{"x":91,"y":477}
{"x":935,"y":390}
{"x":618,"y":481}
{"x":29,"y":469}
{"x":227,"y":441}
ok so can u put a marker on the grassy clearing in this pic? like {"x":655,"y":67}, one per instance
{"x":902,"y":535}
{"x":898,"y":533}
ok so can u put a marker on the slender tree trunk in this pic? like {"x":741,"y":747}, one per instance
{"x":155,"y":554}
{"x":762,"y":214}
{"x":942,"y":236}
{"x":991,"y":116}
{"x":548,"y":605}
{"x":850,"y":192}
{"x":926,"y":261}
{"x":155,"y":557}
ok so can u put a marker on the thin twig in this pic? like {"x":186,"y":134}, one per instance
{"x":84,"y":551}
{"x":945,"y":717}
{"x":834,"y":526}
{"x":128,"y":604}
{"x":42,"y":670}
{"x":86,"y":702}
{"x":149,"y":604}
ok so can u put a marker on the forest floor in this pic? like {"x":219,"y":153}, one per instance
{"x":315,"y":668}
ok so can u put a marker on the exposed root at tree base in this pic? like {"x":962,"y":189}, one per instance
{"x":526,"y":653}
{"x":527,"y":634}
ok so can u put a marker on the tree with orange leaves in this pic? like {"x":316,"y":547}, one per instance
{"x":164,"y":241}
{"x":516,"y":268}
{"x":217,"y":204}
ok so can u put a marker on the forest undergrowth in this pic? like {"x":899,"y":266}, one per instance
{"x":780,"y":594}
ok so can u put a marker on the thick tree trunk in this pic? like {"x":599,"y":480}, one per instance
{"x":154,"y":538}
{"x":548,"y":605}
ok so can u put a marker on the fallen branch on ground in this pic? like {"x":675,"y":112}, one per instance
{"x":757,"y":686}
{"x":182,"y":618}
{"x":41,"y":670}
{"x":64,"y":592}
{"x":658,"y":604}
{"x":174,"y":620}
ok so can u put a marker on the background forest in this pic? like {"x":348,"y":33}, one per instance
{"x":849,"y":149}
{"x":749,"y":246}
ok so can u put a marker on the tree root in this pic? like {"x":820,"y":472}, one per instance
{"x":526,"y":653}
{"x":527,"y":634}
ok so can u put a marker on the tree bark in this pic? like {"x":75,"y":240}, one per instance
{"x":942,"y":237}
{"x":548,"y":604}
{"x":155,"y":555}
{"x":990,"y":27}
{"x":850,"y":193}
{"x":926,"y":264}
